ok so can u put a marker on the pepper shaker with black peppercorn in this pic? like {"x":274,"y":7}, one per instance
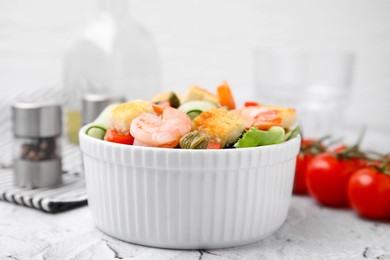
{"x":37,"y":149}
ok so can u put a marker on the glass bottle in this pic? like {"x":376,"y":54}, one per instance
{"x":115,"y":56}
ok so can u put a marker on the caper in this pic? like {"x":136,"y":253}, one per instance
{"x":194,"y":140}
{"x":174,"y":100}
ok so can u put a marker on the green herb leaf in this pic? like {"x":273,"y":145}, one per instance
{"x":293,"y":133}
{"x":255,"y":137}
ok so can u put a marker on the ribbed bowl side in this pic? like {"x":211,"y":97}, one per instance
{"x":188,"y":199}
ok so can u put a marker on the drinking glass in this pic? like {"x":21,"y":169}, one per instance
{"x":317,"y":84}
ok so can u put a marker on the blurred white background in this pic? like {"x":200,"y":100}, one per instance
{"x":205,"y":42}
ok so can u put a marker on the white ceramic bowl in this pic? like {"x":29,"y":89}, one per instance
{"x":188,"y":199}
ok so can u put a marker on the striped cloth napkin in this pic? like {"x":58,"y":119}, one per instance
{"x":70,"y":194}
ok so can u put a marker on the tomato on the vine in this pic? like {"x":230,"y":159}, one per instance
{"x":300,"y":186}
{"x":309,"y":149}
{"x":369,"y":192}
{"x":327,"y":178}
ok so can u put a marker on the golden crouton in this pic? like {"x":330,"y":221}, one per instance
{"x":122,"y":115}
{"x":160,"y":97}
{"x":289,"y":115}
{"x":220,"y":125}
{"x":198,"y":93}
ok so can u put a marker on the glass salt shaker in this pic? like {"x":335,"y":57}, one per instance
{"x":37,"y":144}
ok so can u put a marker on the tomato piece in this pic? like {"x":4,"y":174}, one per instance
{"x":225,"y":96}
{"x":266,"y":119}
{"x":159,"y":109}
{"x":369,"y":193}
{"x":116,"y":137}
{"x":368,"y":162}
{"x":213,"y":145}
{"x":251,"y":104}
{"x":327,"y":179}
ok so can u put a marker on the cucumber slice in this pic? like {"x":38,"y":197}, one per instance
{"x":99,"y":127}
{"x":198,"y":106}
{"x":194,"y":113}
{"x":96,"y":132}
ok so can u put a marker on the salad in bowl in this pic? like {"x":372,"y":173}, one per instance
{"x":199,"y":119}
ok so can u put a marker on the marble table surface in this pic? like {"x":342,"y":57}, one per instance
{"x":311,"y":231}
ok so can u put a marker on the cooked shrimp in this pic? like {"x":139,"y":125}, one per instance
{"x":260,"y":117}
{"x":162,"y":129}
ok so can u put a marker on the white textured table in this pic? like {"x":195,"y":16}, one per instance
{"x":310,"y":232}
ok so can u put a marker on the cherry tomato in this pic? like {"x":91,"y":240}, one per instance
{"x":369,"y":193}
{"x":369,"y":162}
{"x":309,"y":149}
{"x":113,"y":136}
{"x":327,"y":178}
{"x":300,"y":186}
{"x":339,"y":148}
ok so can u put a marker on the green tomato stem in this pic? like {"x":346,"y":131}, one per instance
{"x":383,"y":167}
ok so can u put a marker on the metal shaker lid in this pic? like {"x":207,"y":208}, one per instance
{"x":36,"y":119}
{"x":94,"y":104}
